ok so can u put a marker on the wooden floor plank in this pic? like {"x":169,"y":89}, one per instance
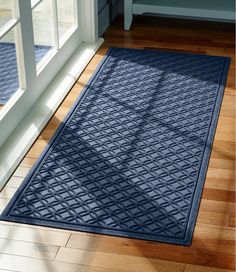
{"x":222,"y":164}
{"x":15,"y":182}
{"x":35,"y":235}
{"x":27,"y":249}
{"x":3,"y":203}
{"x":232,"y":221}
{"x":21,"y":171}
{"x":198,"y":268}
{"x":4,"y":270}
{"x":204,"y":232}
{"x":217,"y":206}
{"x":210,"y":246}
{"x":210,"y":218}
{"x":224,"y":173}
{"x":223,"y":150}
{"x":25,"y":264}
{"x":220,"y":183}
{"x":117,"y":261}
{"x":219,"y":195}
{"x":7,"y":192}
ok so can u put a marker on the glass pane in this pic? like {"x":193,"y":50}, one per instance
{"x":5,"y":11}
{"x":43,"y":29}
{"x":9,"y":81}
{"x":66,"y":16}
{"x":34,"y":2}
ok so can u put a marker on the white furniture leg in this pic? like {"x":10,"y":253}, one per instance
{"x":128,"y":13}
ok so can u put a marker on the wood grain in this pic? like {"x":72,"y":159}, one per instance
{"x":117,"y":261}
{"x":24,"y":248}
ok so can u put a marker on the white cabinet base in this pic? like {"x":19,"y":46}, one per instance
{"x":213,"y":10}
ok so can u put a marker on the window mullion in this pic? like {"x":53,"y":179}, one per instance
{"x":25,"y":43}
{"x":76,"y":12}
{"x":55,"y":24}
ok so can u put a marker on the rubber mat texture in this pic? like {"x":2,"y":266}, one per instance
{"x":9,"y":82}
{"x":131,"y":157}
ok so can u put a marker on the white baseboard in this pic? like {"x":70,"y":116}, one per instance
{"x":20,"y":141}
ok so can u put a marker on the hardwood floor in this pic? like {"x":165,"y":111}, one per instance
{"x":32,"y":248}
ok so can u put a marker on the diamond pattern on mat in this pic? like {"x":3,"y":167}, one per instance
{"x":129,"y":156}
{"x":8,"y":69}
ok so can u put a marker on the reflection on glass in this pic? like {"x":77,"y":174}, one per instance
{"x":43,"y":29}
{"x":9,"y":81}
{"x":34,"y":2}
{"x":66,"y":16}
{"x":5,"y":12}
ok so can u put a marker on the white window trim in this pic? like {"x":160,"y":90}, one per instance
{"x":22,"y":119}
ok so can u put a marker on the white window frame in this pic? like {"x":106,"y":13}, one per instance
{"x":28,"y":111}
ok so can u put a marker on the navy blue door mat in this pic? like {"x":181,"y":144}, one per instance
{"x":8,"y":68}
{"x":131,"y":157}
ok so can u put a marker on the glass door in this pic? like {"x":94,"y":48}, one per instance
{"x":54,"y":21}
{"x":44,"y":47}
{"x":9,"y":62}
{"x":34,"y":35}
